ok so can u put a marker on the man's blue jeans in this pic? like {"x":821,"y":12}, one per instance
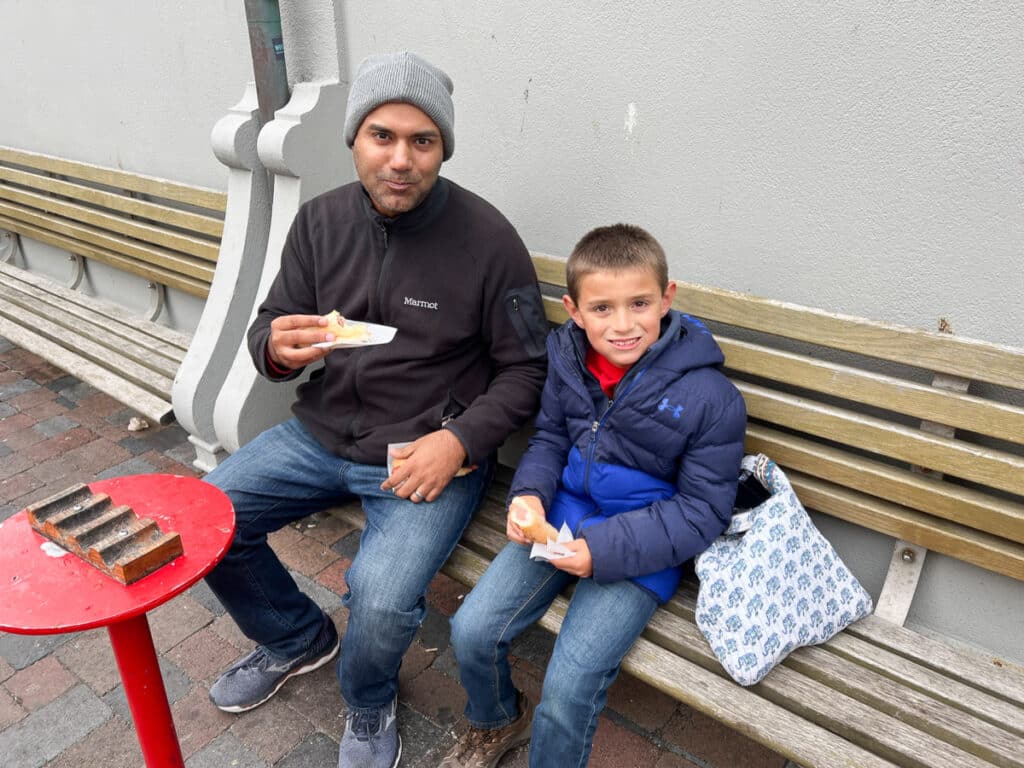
{"x":284,"y":475}
{"x":599,"y":628}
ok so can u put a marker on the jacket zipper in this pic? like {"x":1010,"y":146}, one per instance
{"x":594,"y":429}
{"x":381,"y":305}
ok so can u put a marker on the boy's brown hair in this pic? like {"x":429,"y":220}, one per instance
{"x":613,"y":249}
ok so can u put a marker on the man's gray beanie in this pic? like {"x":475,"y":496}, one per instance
{"x":403,"y":77}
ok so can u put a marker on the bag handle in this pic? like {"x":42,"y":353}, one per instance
{"x":768,"y":475}
{"x":764,"y":469}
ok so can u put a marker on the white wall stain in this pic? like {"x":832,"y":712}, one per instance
{"x":631,"y":120}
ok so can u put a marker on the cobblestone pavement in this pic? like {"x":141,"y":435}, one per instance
{"x":61,"y":701}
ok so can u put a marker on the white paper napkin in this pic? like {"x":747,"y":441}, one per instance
{"x":552,"y":550}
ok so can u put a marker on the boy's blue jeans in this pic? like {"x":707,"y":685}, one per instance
{"x":599,"y":628}
{"x":285,"y":474}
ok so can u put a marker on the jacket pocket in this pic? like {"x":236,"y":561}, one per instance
{"x":526,"y":313}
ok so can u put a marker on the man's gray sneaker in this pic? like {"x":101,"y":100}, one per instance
{"x":256,"y":677}
{"x":371,"y":739}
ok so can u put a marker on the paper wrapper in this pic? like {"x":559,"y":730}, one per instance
{"x":552,"y":550}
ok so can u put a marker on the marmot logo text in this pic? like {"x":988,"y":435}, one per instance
{"x":420,"y":303}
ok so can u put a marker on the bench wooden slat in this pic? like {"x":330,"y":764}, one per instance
{"x":674,"y":629}
{"x":165,"y":232}
{"x":47,"y":312}
{"x":150,"y":185}
{"x":952,"y":725}
{"x":171,"y":261}
{"x":931,"y":350}
{"x":154,"y":408}
{"x":968,"y":506}
{"x":994,"y":675}
{"x":938,"y":686}
{"x":990,"y":689}
{"x":172,"y":342}
{"x":997,"y":469}
{"x":831,"y":709}
{"x":974,"y":414}
{"x":158,"y":273}
{"x":142,"y":376}
{"x":132,"y":206}
{"x":204,"y":249}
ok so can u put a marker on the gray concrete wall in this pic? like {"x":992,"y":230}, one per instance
{"x":866,"y":159}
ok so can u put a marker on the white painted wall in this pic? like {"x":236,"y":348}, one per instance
{"x":124,"y":84}
{"x":865,"y":158}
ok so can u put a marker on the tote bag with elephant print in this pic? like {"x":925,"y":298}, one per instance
{"x":772,"y":583}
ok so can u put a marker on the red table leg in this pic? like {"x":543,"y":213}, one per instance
{"x":144,"y":688}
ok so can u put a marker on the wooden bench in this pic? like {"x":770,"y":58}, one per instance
{"x":165,"y":232}
{"x":874,"y":425}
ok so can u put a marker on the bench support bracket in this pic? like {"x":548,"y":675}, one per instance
{"x":908,"y":559}
{"x":900,"y":582}
{"x":77,"y":271}
{"x":9,"y":245}
{"x":157,"y":296}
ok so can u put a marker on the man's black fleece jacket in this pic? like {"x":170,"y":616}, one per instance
{"x":455,"y":279}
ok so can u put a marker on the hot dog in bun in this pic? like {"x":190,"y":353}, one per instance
{"x":531,"y":523}
{"x":348,"y":331}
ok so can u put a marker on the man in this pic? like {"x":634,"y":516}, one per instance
{"x":407,"y":248}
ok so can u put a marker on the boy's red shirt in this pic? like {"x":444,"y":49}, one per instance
{"x":607,"y":373}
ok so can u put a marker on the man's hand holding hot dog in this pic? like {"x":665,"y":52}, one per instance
{"x":291,"y":339}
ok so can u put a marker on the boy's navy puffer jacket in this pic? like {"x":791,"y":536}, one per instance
{"x":648,"y":478}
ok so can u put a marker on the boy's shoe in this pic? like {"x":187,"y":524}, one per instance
{"x":371,"y":739}
{"x":484,"y":747}
{"x":255,"y":678}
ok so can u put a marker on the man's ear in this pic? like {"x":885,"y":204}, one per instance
{"x":668,"y":297}
{"x":572,"y":309}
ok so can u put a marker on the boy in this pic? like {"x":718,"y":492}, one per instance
{"x":638,"y":445}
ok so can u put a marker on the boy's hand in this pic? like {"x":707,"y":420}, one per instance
{"x":513,"y":531}
{"x":579,"y":563}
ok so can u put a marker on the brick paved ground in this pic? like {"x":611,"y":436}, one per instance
{"x":61,"y":702}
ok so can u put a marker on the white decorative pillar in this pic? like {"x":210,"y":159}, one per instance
{"x":304,"y":150}
{"x":221,"y":329}
{"x":217,"y":396}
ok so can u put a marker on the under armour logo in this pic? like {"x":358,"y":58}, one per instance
{"x":664,"y":405}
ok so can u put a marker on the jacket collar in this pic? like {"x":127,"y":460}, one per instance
{"x":419,"y":216}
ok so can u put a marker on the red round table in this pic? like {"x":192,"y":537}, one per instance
{"x":44,"y":592}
